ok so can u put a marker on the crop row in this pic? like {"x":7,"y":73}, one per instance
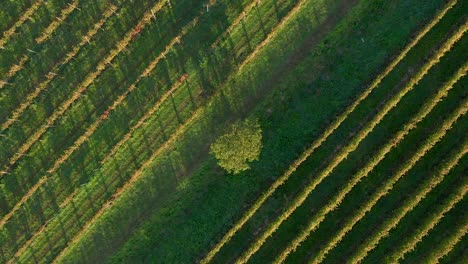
{"x":96,"y":29}
{"x":82,"y":87}
{"x":76,"y":94}
{"x":67,"y":76}
{"x":367,"y":163}
{"x":12,"y":133}
{"x":98,"y":100}
{"x":363,"y":191}
{"x":346,"y":248}
{"x":131,"y":87}
{"x":390,"y":204}
{"x":258,"y":203}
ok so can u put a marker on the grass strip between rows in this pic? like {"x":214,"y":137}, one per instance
{"x":47,"y":33}
{"x":26,"y":15}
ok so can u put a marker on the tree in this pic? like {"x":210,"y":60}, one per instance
{"x":239,"y":146}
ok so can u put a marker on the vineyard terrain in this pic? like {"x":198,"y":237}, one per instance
{"x":109,"y":110}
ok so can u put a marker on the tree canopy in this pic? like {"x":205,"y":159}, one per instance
{"x":239,"y":146}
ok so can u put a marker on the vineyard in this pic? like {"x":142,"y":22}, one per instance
{"x":109,"y":110}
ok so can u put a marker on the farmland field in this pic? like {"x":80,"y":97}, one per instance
{"x":233,"y":131}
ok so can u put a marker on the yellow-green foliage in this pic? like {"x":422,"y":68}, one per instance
{"x":240,"y":145}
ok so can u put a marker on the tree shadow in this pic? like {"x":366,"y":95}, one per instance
{"x":260,"y":20}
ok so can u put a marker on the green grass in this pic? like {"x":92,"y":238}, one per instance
{"x":10,"y":12}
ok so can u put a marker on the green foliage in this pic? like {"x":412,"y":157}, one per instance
{"x":239,"y":146}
